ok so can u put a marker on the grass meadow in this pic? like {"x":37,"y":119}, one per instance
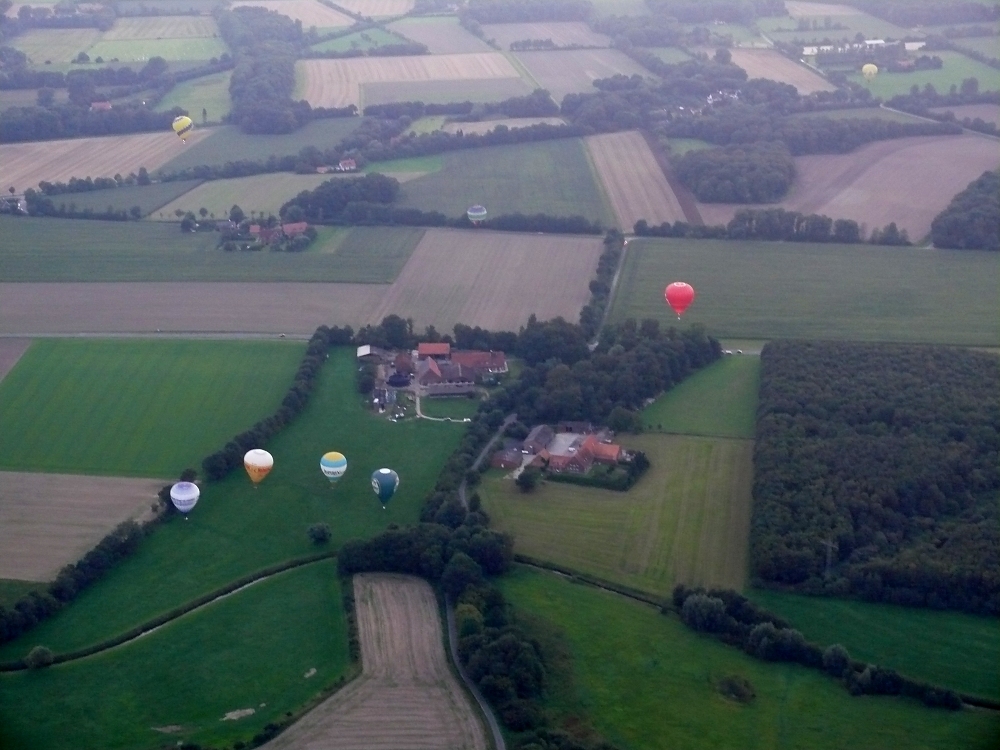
{"x":453,"y":408}
{"x":262,"y":193}
{"x":76,"y":250}
{"x":685,"y":521}
{"x":644,"y":680}
{"x":227,"y":143}
{"x":945,"y":648}
{"x":136,"y":408}
{"x":236,"y":529}
{"x":251,"y":650}
{"x":785,"y":29}
{"x":444,"y":92}
{"x":553,"y":177}
{"x":957,"y":67}
{"x":720,"y":400}
{"x":759,"y":290}
{"x":368,"y":39}
{"x":55,"y":45}
{"x":149,"y":198}
{"x":866,"y":113}
{"x":183,"y":48}
{"x":208,"y":93}
{"x":671,"y":55}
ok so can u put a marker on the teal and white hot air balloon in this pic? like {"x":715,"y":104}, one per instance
{"x":333,"y":465}
{"x":384,"y":484}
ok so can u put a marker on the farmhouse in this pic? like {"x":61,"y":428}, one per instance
{"x":433,"y":351}
{"x":267,"y":235}
{"x":568,"y":451}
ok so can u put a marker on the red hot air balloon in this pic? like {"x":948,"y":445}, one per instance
{"x":679,"y":295}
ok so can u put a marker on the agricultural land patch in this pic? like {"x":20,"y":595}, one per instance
{"x":562,"y":33}
{"x":686,"y":521}
{"x":27,"y":164}
{"x":406,"y":695}
{"x":377,"y":8}
{"x":51,"y":520}
{"x":495,"y":280}
{"x":485,"y":126}
{"x":906,"y":180}
{"x":633,"y":180}
{"x":957,"y":67}
{"x":184,"y":48}
{"x":985,"y":112}
{"x":263,"y":193}
{"x":768,"y":63}
{"x":444,"y":92}
{"x":309,"y":12}
{"x":161,"y":27}
{"x":10,"y":352}
{"x":800,"y":9}
{"x":574,"y":71}
{"x":55,"y":45}
{"x":208,"y":93}
{"x":441,"y":35}
{"x":147,"y":197}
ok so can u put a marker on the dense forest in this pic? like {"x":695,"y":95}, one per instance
{"x":877,"y":473}
{"x":753,"y":173}
{"x":972,"y":219}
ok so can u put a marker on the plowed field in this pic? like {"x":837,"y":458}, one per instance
{"x":633,"y":181}
{"x":406,"y":697}
{"x":767,"y":63}
{"x":336,"y":83}
{"x":495,"y":280}
{"x":26,"y":164}
{"x":310,"y":12}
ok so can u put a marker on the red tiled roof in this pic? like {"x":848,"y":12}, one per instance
{"x":479,"y":360}
{"x":297,"y":227}
{"x":433,"y":350}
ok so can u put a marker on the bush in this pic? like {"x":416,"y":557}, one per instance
{"x":320,"y":533}
{"x":39,"y":657}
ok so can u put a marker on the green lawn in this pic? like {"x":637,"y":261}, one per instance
{"x":957,"y":67}
{"x":249,"y":650}
{"x":646,"y":681}
{"x":237,"y":529}
{"x":227,"y":143}
{"x":686,"y":521}
{"x":263,"y":193}
{"x":984,"y":45}
{"x":433,"y":163}
{"x":135,"y":407}
{"x":208,"y":93}
{"x":680,"y":146}
{"x":36,"y":249}
{"x":720,"y":400}
{"x":455,"y":408}
{"x":553,"y":177}
{"x":670,"y":55}
{"x":147,"y":197}
{"x":946,"y":648}
{"x":759,"y":290}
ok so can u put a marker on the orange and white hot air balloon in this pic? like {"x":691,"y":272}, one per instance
{"x":258,"y":463}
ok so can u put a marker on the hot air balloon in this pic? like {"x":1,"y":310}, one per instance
{"x":333,"y":465}
{"x":258,"y":463}
{"x":184,"y":496}
{"x":384,"y":483}
{"x":182,"y":126}
{"x":679,"y":295}
{"x":869,"y":71}
{"x":476,"y":214}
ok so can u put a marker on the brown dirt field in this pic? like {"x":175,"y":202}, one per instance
{"x":406,"y":696}
{"x":574,"y":71}
{"x":906,"y":180}
{"x":10,"y":352}
{"x":377,"y":8}
{"x":563,"y":33}
{"x":495,"y":280}
{"x":767,"y":63}
{"x":633,"y":181}
{"x":488,"y":125}
{"x":310,"y":12}
{"x":336,"y":83}
{"x":184,"y":307}
{"x":985,"y":112}
{"x":798,"y":9}
{"x":50,"y":520}
{"x":442,"y":36}
{"x":27,"y":164}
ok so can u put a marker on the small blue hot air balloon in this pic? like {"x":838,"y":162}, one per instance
{"x":384,"y":484}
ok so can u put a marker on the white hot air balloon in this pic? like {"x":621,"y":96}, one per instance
{"x":184,"y":496}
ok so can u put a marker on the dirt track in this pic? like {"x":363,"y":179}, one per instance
{"x":406,"y":697}
{"x":50,"y":520}
{"x":10,"y":352}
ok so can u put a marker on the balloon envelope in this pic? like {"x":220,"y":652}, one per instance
{"x":333,"y":465}
{"x":384,"y":484}
{"x":184,"y":496}
{"x":869,"y":71}
{"x":679,"y":296}
{"x":258,"y":464}
{"x":182,"y":126}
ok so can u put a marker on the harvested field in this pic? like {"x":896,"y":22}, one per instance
{"x":406,"y":696}
{"x":985,"y":112}
{"x":799,"y":9}
{"x":574,"y":71}
{"x":562,"y":33}
{"x":336,"y":83}
{"x":55,"y":45}
{"x":309,"y":12}
{"x":768,"y":63}
{"x":906,"y":180}
{"x":633,"y":181}
{"x":50,"y":520}
{"x":486,"y":126}
{"x":377,"y":8}
{"x":10,"y":352}
{"x":161,"y":27}
{"x":264,"y":192}
{"x":192,"y":307}
{"x":445,"y":92}
{"x":26,"y":164}
{"x":442,"y":35}
{"x":495,"y":280}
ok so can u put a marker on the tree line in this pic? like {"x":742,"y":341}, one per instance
{"x":876,"y":473}
{"x":972,"y":219}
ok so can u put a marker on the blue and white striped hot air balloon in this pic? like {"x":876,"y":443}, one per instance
{"x":333,"y":465}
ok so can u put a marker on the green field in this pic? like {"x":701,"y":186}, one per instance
{"x":236,"y":529}
{"x":140,"y":50}
{"x":453,"y":408}
{"x":250,"y":650}
{"x":147,"y":197}
{"x":685,"y":521}
{"x":785,"y":29}
{"x":444,"y":92}
{"x":432,"y":163}
{"x":865,"y":113}
{"x":227,"y":143}
{"x":680,"y":146}
{"x":946,"y":648}
{"x":55,"y":45}
{"x":670,"y":55}
{"x":761,"y":290}
{"x":646,"y":681}
{"x":984,"y":45}
{"x":28,"y":97}
{"x":957,"y":67}
{"x":77,"y":250}
{"x":553,"y":177}
{"x":376,"y":37}
{"x":424,"y":124}
{"x":720,"y":401}
{"x":261,"y":193}
{"x":135,"y":408}
{"x":208,"y":93}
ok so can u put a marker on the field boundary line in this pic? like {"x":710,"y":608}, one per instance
{"x":522,"y":69}
{"x":684,"y":196}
